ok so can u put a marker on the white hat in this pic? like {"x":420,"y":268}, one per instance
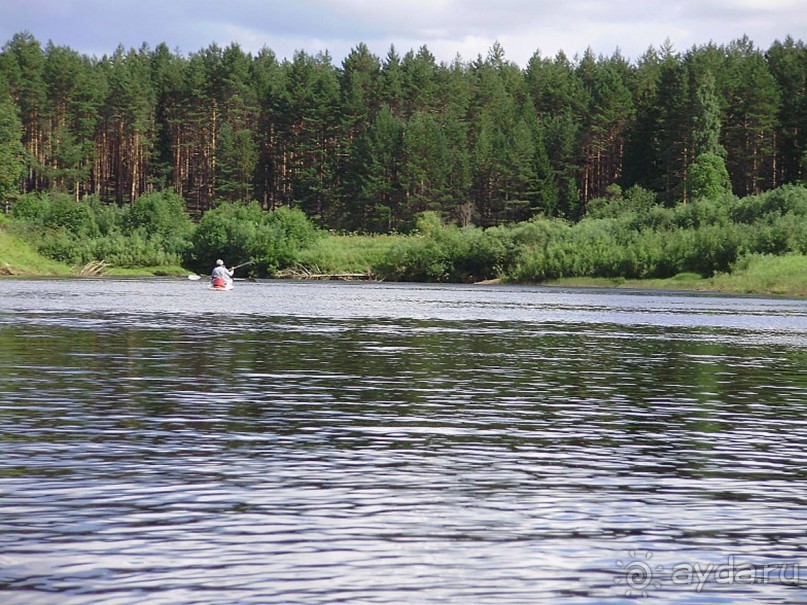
{"x":219,"y":262}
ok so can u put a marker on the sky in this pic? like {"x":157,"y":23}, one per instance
{"x":448,"y":28}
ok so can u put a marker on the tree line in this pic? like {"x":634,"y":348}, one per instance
{"x":369,"y":144}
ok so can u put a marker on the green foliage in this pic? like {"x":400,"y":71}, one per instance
{"x":58,"y":212}
{"x":17,"y":256}
{"x":161,"y":217}
{"x":626,"y":237}
{"x":368,"y":144}
{"x":708,"y":177}
{"x":788,"y":199}
{"x":347,"y":253}
{"x":766,"y":274}
{"x":152,"y":232}
{"x":31,"y":208}
{"x":239,"y":233}
{"x":225,"y":232}
{"x":11,"y":149}
{"x":283,"y":233}
{"x":635,"y":200}
{"x":446,"y":253}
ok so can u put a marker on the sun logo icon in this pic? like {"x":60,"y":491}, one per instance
{"x":637,"y":574}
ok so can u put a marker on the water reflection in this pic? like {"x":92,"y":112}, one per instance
{"x":326,"y":443}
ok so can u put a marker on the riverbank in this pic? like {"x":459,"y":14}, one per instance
{"x":20,"y":259}
{"x":765,"y":275}
{"x":755,"y":274}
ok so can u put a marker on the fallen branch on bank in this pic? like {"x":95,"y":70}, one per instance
{"x":298,"y":271}
{"x":6,"y":269}
{"x":94,"y":268}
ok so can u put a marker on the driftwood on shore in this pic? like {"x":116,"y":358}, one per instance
{"x":6,"y":269}
{"x":94,"y":268}
{"x":298,"y":271}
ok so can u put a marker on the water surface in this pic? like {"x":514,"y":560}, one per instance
{"x":291,"y":442}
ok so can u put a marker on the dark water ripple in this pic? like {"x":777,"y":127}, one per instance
{"x":335,"y":443}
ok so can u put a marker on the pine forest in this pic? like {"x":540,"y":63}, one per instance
{"x":367,"y":145}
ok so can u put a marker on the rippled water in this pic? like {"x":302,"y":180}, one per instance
{"x":383,"y":443}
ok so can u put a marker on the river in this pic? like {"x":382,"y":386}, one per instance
{"x":305,"y":442}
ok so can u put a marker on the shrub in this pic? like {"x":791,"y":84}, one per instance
{"x":75,"y":217}
{"x":32,"y":208}
{"x":348,"y":253}
{"x":448,"y":253}
{"x":225,"y":232}
{"x":766,"y":206}
{"x":244,"y":232}
{"x":635,"y":200}
{"x":700,"y":213}
{"x":161,"y":215}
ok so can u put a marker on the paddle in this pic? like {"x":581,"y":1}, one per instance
{"x":197,"y":277}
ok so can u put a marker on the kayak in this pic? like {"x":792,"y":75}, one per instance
{"x":221,"y":284}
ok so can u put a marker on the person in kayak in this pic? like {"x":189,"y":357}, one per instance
{"x":221,"y":275}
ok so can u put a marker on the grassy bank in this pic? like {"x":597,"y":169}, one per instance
{"x":682,"y":281}
{"x":158,"y":271}
{"x":760,"y":274}
{"x":754,"y":274}
{"x":756,"y":244}
{"x":348,"y":253}
{"x":20,"y":258}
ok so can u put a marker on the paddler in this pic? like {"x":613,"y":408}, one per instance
{"x":221,"y":276}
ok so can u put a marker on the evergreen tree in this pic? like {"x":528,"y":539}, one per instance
{"x":308,"y":108}
{"x":125,"y":146}
{"x":392,"y":82}
{"x":359,"y":86}
{"x":12,"y":152}
{"x":237,"y":156}
{"x":543,"y":193}
{"x":751,"y":126}
{"x":561,"y":102}
{"x":707,"y":176}
{"x":268,"y":76}
{"x":788,"y":63}
{"x":236,"y":153}
{"x":457,"y":93}
{"x":167,"y":76}
{"x":642,"y":145}
{"x":426,"y":165}
{"x":561,"y":133}
{"x":377,"y":205}
{"x":673,"y":126}
{"x":72,"y":110}
{"x":22,"y":65}
{"x":607,"y":118}
{"x":419,"y":79}
{"x":366,"y":145}
{"x":359,"y":82}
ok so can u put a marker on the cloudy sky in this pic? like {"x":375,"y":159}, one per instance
{"x":447,"y":27}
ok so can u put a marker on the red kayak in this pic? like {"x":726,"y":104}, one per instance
{"x":220,"y":283}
